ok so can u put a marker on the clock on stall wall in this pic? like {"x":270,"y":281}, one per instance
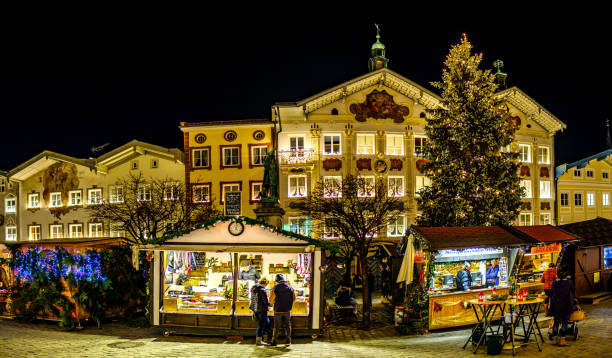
{"x":235,"y":228}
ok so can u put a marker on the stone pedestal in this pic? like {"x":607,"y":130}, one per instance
{"x":270,"y":213}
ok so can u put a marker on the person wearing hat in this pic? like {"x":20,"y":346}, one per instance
{"x":282,"y":297}
{"x":259,"y":306}
{"x":464,"y":278}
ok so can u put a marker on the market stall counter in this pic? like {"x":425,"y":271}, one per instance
{"x":202,"y":279}
{"x":467,"y":263}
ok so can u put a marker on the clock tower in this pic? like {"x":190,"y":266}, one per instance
{"x":378,"y":59}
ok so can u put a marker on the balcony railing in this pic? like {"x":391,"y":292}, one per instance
{"x":303,"y":156}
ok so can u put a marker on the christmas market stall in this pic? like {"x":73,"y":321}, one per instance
{"x":202,"y":277}
{"x":484,"y":253}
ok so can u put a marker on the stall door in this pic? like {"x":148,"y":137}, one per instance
{"x":588,"y":263}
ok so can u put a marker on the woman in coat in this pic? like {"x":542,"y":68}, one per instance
{"x":259,"y":305}
{"x":493,"y":274}
{"x":561,"y":306}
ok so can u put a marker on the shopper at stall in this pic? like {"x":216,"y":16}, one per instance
{"x":249,"y":273}
{"x":464,"y":278}
{"x":493,"y":274}
{"x":561,"y":306}
{"x":259,"y":305}
{"x":548,"y":277}
{"x":344,"y":296}
{"x":282,"y":297}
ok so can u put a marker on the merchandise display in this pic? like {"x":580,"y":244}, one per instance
{"x":534,"y":262}
{"x":449,"y":262}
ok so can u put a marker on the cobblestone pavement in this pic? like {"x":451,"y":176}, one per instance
{"x":117,"y":340}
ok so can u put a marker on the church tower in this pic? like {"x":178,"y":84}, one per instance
{"x":378,"y":59}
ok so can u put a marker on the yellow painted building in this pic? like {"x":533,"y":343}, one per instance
{"x":226,"y":156}
{"x":584,"y":189}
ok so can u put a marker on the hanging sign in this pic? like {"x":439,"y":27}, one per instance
{"x":546,"y":249}
{"x":232,"y":203}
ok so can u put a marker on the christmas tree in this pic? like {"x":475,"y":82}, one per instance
{"x":474,"y":180}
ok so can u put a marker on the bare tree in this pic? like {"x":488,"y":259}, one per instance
{"x":150,"y":208}
{"x":353,"y":211}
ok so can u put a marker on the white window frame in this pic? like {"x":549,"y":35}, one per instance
{"x":543,"y":155}
{"x":56,"y":234}
{"x":75,"y":233}
{"x":332,"y":145}
{"x":72,"y":202}
{"x":365,"y":148}
{"x":230,"y":150}
{"x":526,"y":183}
{"x":144,"y":192}
{"x":10,"y":205}
{"x":587,"y":171}
{"x":392,"y":189}
{"x":91,"y":200}
{"x":418,"y":149}
{"x":34,"y":201}
{"x":55,"y":199}
{"x":545,"y":189}
{"x":201,"y":193}
{"x":545,"y":219}
{"x":567,"y":204}
{"x":171,"y":190}
{"x":390,"y":141}
{"x":397,"y":228}
{"x":421,"y":181}
{"x":99,"y":230}
{"x":524,"y":152}
{"x":197,"y":154}
{"x":523,"y":222}
{"x":338,"y":180}
{"x":605,"y":199}
{"x":254,"y":191}
{"x":295,"y":189}
{"x":578,"y":198}
{"x":34,"y":232}
{"x":230,"y":186}
{"x":590,"y":199}
{"x":298,"y":225}
{"x":296,"y":146}
{"x":11,"y":233}
{"x":116,"y":230}
{"x":115,"y":194}
{"x":254,"y":155}
{"x":370,"y":180}
{"x":328,"y":233}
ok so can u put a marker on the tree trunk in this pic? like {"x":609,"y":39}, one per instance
{"x":348,"y":262}
{"x":367,"y":297}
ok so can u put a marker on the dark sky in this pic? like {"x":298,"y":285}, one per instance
{"x":112,"y":76}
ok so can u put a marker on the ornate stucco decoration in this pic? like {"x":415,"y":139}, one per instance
{"x":60,"y":177}
{"x":379,"y":105}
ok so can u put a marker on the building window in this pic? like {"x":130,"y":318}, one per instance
{"x":564,"y":199}
{"x":332,"y":187}
{"x":296,"y":143}
{"x":256,"y":187}
{"x":75,"y":197}
{"x":543,"y":155}
{"x":56,"y":200}
{"x":397,"y":226}
{"x":422,"y":181}
{"x":11,"y":233}
{"x":330,"y":229}
{"x":524,"y":151}
{"x":33,"y":201}
{"x":230,"y":157}
{"x":258,"y":154}
{"x":525,"y":219}
{"x":526,"y":184}
{"x":577,"y":199}
{"x":94,"y":196}
{"x":229,"y":188}
{"x":369,"y":187}
{"x":577,"y":173}
{"x":171,"y":190}
{"x":395,"y":144}
{"x":75,"y":230}
{"x":116,"y":194}
{"x":95,"y":230}
{"x":590,"y":173}
{"x":56,"y":231}
{"x":201,"y":193}
{"x":605,"y":199}
{"x":201,"y":158}
{"x":590,"y":199}
{"x":10,"y":205}
{"x":545,"y":219}
{"x":144,"y":192}
{"x":605,"y":174}
{"x":365,"y":143}
{"x":2,"y":185}
{"x":395,"y":186}
{"x":154,"y":163}
{"x":34,"y":232}
{"x":419,"y":145}
{"x":545,"y":191}
{"x":297,"y":186}
{"x":134,"y":164}
{"x":299,"y":225}
{"x":331,"y":144}
{"x":116,"y":230}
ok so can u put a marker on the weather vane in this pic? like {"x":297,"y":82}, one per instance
{"x":498,"y":64}
{"x":377,"y":30}
{"x":97,"y":149}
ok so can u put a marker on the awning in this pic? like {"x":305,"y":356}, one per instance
{"x":547,"y":233}
{"x":441,"y":238}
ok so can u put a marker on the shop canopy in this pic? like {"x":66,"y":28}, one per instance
{"x":547,"y":233}
{"x":445,"y":238}
{"x":595,"y":232}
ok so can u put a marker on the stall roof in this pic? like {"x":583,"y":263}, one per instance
{"x":82,"y":243}
{"x":595,"y":232}
{"x":445,"y":237}
{"x":546,"y":233}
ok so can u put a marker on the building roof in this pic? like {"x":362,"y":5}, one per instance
{"x":546,"y":233}
{"x":227,"y":123}
{"x":579,"y":164}
{"x":530,"y":107}
{"x":594,"y":232}
{"x":135,"y":148}
{"x":440,"y":238}
{"x":84,"y":243}
{"x":42,"y":161}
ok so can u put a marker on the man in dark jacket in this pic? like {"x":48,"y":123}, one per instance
{"x":259,"y":305}
{"x":464,"y":278}
{"x":561,"y":306}
{"x":250,"y":273}
{"x":282,"y":298}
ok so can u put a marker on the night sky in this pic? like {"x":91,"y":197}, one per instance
{"x":67,"y":85}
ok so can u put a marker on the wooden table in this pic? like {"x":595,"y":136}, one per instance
{"x":524,"y":310}
{"x":487,"y":313}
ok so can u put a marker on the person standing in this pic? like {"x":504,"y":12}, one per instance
{"x":548,"y":277}
{"x":561,"y":306}
{"x":259,"y":305}
{"x":282,"y":297}
{"x":464,"y":278}
{"x":493,"y":274}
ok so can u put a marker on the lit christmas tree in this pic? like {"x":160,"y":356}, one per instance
{"x":474,"y":181}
